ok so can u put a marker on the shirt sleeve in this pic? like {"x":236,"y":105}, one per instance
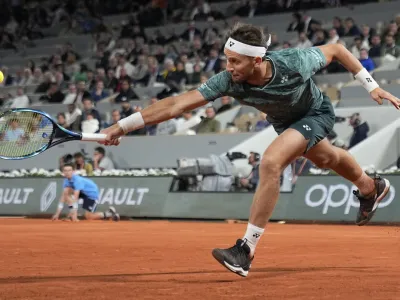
{"x":311,"y":60}
{"x":216,"y":86}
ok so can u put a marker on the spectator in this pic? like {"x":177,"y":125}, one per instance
{"x":54,"y":95}
{"x":338,"y":26}
{"x":188,"y":121}
{"x":366,"y":34}
{"x":59,"y":77}
{"x":123,"y":64}
{"x":72,"y":66}
{"x":251,"y":181}
{"x":126,"y":93}
{"x":167,"y":127}
{"x":27,"y":79}
{"x":82,"y":93}
{"x":141,"y":70}
{"x":350,"y":28}
{"x":44,"y":86}
{"x":390,"y":47}
{"x":90,"y":124}
{"x":81,"y":164}
{"x":68,"y":50}
{"x":37,"y":76}
{"x":303,"y":42}
{"x":112,"y":81}
{"x":18,"y":79}
{"x":201,"y":10}
{"x":249,"y":10}
{"x":196,"y":75}
{"x":209,"y":124}
{"x":88,"y":108}
{"x":297,"y":23}
{"x":275,"y":45}
{"x":190,"y":33}
{"x":360,"y":130}
{"x":21,"y":100}
{"x":126,"y":109}
{"x":61,"y":120}
{"x":213,"y":62}
{"x":226,"y":102}
{"x":71,"y":95}
{"x":115,"y":117}
{"x":99,"y":93}
{"x":356,"y":49}
{"x":333,"y":36}
{"x":319,"y":38}
{"x":101,"y":161}
{"x":366,"y":61}
{"x":15,"y":132}
{"x":123,"y":76}
{"x":262,"y":123}
{"x":376,"y":48}
{"x":73,"y":117}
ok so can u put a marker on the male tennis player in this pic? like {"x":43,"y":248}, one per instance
{"x":77,"y":187}
{"x":278,"y":83}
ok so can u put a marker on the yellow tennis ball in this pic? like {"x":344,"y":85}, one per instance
{"x":1,"y":77}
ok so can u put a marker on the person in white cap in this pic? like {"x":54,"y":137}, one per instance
{"x":278,"y":83}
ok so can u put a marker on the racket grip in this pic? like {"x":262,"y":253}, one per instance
{"x":94,"y":137}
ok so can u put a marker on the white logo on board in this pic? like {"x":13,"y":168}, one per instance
{"x":338,"y":195}
{"x":48,"y":196}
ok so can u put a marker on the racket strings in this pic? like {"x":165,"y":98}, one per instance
{"x":24,"y":133}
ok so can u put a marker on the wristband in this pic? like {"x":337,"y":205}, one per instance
{"x":366,"y":80}
{"x":133,"y":122}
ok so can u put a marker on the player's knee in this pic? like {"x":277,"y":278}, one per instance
{"x":328,"y":161}
{"x":270,"y":166}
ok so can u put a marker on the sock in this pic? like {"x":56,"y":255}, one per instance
{"x":253,"y":235}
{"x":107,"y":214}
{"x":366,"y":186}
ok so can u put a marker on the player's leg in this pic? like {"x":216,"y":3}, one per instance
{"x":90,"y":206}
{"x":285,"y":148}
{"x":370,"y":191}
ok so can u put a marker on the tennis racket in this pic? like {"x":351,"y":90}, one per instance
{"x":25,"y":133}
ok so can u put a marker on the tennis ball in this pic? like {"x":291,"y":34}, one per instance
{"x":1,"y":76}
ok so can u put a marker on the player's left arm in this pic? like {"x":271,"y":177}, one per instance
{"x":339,"y":53}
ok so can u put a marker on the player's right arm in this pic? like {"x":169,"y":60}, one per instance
{"x":170,"y":107}
{"x":63,"y":199}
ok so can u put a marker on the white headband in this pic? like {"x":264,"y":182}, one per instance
{"x":246,"y":49}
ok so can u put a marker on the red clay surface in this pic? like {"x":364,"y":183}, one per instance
{"x":40,"y":259}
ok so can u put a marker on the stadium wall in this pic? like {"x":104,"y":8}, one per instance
{"x":314,"y":198}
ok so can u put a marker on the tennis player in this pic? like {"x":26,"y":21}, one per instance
{"x":279,"y":84}
{"x":77,"y":187}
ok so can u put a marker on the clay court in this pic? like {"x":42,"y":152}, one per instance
{"x":41,"y":259}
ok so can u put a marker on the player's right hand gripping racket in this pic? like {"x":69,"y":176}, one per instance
{"x":25,"y":133}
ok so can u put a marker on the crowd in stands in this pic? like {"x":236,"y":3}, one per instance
{"x":127,"y":58}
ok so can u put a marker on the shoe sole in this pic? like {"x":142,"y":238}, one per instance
{"x":377,"y":201}
{"x":216,"y":253}
{"x":115,"y":216}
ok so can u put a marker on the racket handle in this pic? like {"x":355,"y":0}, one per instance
{"x":94,"y":137}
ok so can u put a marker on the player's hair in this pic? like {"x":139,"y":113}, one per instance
{"x":248,"y":34}
{"x":78,"y":154}
{"x":69,"y":165}
{"x":100,"y":150}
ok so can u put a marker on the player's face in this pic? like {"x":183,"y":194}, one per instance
{"x":240,"y":66}
{"x":68,"y":171}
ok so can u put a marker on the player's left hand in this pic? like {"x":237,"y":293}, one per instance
{"x":379,"y":95}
